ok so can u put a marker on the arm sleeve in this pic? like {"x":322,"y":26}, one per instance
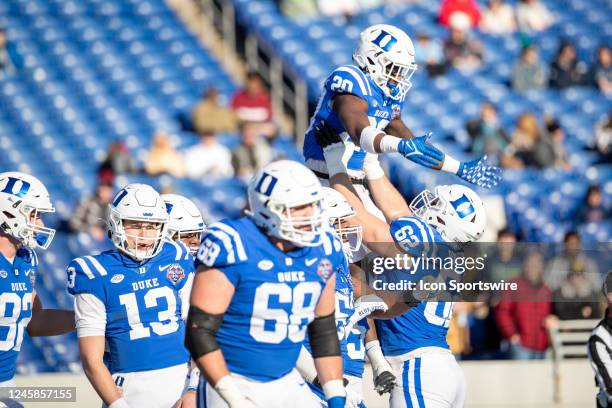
{"x":601,"y":361}
{"x":90,"y":315}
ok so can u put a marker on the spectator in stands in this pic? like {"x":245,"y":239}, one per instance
{"x":118,"y":161}
{"x":347,"y":8}
{"x":576,"y":299}
{"x":566,"y":70}
{"x":460,"y":50}
{"x":466,"y":8}
{"x":505,"y":262}
{"x":524,"y":315}
{"x":90,"y":215}
{"x":208,"y":158}
{"x":528,"y":73}
{"x":532,"y":15}
{"x":209,"y":116}
{"x":163,"y":158}
{"x":526,"y":136}
{"x":602,"y":71}
{"x":550,"y":151}
{"x":593,"y":209}
{"x":429,"y":53}
{"x":10,"y":61}
{"x":252,"y":153}
{"x":572,"y":259}
{"x":498,"y":18}
{"x":252,"y":104}
{"x":299,"y":9}
{"x":487,"y":135}
{"x":603,"y":137}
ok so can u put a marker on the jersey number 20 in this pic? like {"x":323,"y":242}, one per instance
{"x":303,"y":299}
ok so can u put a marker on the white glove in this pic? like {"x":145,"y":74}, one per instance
{"x":353,"y":399}
{"x":372,"y":167}
{"x":364,"y":306}
{"x":119,"y":403}
{"x":231,"y":393}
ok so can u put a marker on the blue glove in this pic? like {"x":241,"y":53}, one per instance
{"x":480,"y":173}
{"x":421,"y":152}
{"x":336,"y":402}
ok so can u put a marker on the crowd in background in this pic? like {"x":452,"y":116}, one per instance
{"x":566,"y":286}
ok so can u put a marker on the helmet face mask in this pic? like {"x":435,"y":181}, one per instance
{"x":285,"y":202}
{"x":138,"y":204}
{"x":23,"y":198}
{"x":338,"y":212}
{"x":304,"y":230}
{"x":455,"y":211}
{"x":35,"y":235}
{"x":386,"y":54}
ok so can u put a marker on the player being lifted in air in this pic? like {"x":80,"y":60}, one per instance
{"x":415,"y":341}
{"x":130,"y":299}
{"x":363,"y":103}
{"x":23,"y":199}
{"x":356,"y":334}
{"x":266,"y":281}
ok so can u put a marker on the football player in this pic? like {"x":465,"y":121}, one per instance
{"x":130,"y":299}
{"x":415,"y":341}
{"x":363,"y":103}
{"x":23,"y":200}
{"x":185,"y":222}
{"x":351,"y":321}
{"x":266,"y":280}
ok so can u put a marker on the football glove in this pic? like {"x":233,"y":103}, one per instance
{"x":480,"y":173}
{"x":420,"y":151}
{"x":384,"y":382}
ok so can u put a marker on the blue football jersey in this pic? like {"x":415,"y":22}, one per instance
{"x":144,"y":329}
{"x":349,"y":79}
{"x":275,"y":295}
{"x":427,"y":323}
{"x":16,"y":284}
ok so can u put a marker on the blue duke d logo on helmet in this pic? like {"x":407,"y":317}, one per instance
{"x":463,"y":206}
{"x":385,"y":40}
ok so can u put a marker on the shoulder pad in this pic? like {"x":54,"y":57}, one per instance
{"x":84,"y":273}
{"x":177,"y":250}
{"x":221,"y":245}
{"x":349,"y":79}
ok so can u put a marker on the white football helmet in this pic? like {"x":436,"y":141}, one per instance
{"x":387,"y":54}
{"x":337,"y":210}
{"x":278,"y":188}
{"x":184,"y":218}
{"x":22,"y":198}
{"x":455,"y":211}
{"x":137,"y":202}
